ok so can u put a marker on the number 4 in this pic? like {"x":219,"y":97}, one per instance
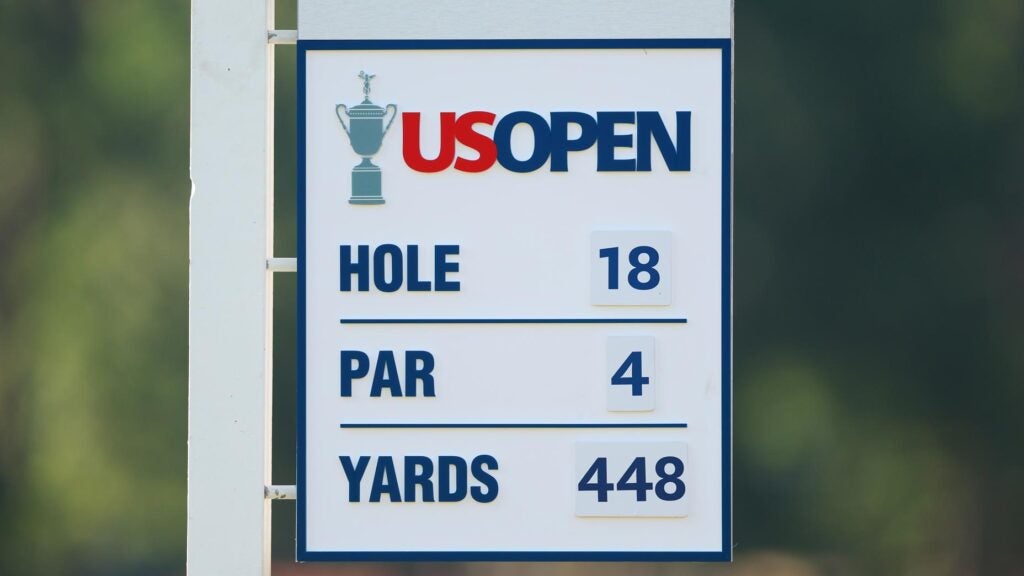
{"x":636,"y":379}
{"x":637,"y":469}
{"x":630,"y":374}
{"x":602,"y":486}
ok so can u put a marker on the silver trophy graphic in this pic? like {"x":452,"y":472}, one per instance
{"x":366,"y":135}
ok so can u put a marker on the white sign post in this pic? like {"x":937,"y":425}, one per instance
{"x":230,"y":288}
{"x":515,"y":282}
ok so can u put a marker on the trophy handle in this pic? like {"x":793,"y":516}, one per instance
{"x":337,"y":110}
{"x":394,"y":112}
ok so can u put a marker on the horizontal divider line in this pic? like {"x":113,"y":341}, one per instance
{"x":512,"y":321}
{"x":517,"y":425}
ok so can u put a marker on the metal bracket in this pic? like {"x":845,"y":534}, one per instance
{"x":282,"y":265}
{"x":279,"y":492}
{"x":282,"y":36}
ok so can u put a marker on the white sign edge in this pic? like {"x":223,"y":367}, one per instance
{"x":536,"y":19}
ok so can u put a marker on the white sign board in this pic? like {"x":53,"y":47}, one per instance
{"x":515,"y":300}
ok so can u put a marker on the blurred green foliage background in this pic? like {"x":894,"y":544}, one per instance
{"x":879,"y":297}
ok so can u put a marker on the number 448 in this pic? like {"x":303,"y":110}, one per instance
{"x":669,"y":487}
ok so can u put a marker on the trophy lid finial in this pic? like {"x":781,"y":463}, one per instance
{"x":366,"y":84}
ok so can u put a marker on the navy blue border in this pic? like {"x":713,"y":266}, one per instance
{"x":725,"y":555}
{"x":498,"y":425}
{"x":512,"y":321}
{"x":300,"y":260}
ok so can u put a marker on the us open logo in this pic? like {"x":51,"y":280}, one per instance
{"x":552,"y":142}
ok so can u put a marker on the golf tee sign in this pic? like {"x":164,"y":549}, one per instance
{"x":514,"y":291}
